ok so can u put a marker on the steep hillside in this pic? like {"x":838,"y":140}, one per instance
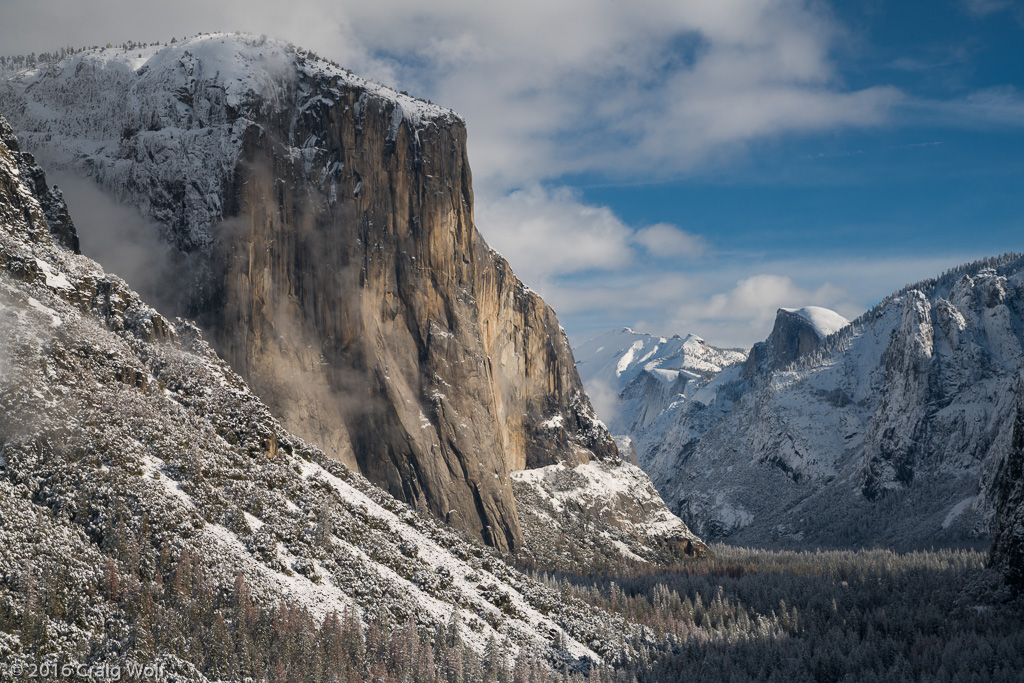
{"x":334,"y":262}
{"x":594,"y":517}
{"x":144,"y":488}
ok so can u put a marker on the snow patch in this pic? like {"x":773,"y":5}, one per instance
{"x":54,"y":280}
{"x":55,"y":320}
{"x":958,"y":510}
{"x":627,"y":358}
{"x":824,"y":320}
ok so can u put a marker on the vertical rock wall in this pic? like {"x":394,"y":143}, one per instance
{"x":341,"y":272}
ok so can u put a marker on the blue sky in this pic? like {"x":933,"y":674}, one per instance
{"x":682,"y":165}
{"x":848,"y":213}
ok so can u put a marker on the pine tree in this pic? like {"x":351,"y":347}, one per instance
{"x":352,"y":638}
{"x":324,"y":525}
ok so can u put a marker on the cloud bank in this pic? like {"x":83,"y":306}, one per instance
{"x":658,"y":86}
{"x":650,"y":90}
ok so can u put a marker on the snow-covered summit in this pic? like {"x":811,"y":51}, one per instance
{"x":825,"y":321}
{"x":615,"y":360}
{"x":239,"y":64}
{"x":889,"y":430}
{"x":165,"y":127}
{"x":620,"y":355}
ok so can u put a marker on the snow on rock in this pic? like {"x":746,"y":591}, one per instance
{"x":634,"y":376}
{"x":53,"y":280}
{"x":162,"y":127}
{"x":825,"y":321}
{"x":888,"y":430}
{"x":599,"y":509}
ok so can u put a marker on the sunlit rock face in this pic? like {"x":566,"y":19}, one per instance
{"x":333,"y":260}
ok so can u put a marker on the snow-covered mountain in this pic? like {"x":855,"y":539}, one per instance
{"x":140,"y":477}
{"x":592,"y":517}
{"x":797,"y":333}
{"x":633,"y":377}
{"x":328,"y":221}
{"x":328,"y":225}
{"x":889,"y":430}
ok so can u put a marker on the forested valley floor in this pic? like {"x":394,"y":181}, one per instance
{"x":738,"y":615}
{"x":868,"y":615}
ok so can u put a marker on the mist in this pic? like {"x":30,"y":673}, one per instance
{"x":125,"y":243}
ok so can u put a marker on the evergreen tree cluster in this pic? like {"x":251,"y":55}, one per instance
{"x":868,"y":615}
{"x":179,"y":615}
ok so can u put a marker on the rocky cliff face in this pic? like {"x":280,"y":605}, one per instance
{"x":797,"y":333}
{"x":50,"y":199}
{"x":337,"y":266}
{"x":132,"y":457}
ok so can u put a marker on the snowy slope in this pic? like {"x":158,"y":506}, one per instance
{"x":890,"y":432}
{"x":824,"y":320}
{"x":116,"y":419}
{"x":589,"y":517}
{"x":887,"y":430}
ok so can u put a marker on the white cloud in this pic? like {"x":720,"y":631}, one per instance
{"x":746,"y":312}
{"x":549,"y":234}
{"x":653,"y":86}
{"x":981,"y":8}
{"x":649,"y":88}
{"x":604,"y":398}
{"x":546,"y":234}
{"x":667,"y":241}
{"x":999,"y":106}
{"x":720,"y":301}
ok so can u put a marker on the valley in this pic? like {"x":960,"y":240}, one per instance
{"x":350,"y":444}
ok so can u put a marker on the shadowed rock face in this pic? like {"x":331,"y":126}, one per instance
{"x":50,"y":199}
{"x":792,"y":337}
{"x":343,"y":276}
{"x":1008,"y":543}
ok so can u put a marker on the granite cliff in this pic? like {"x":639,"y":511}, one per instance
{"x":334,"y":261}
{"x":142,"y":482}
{"x":797,"y":333}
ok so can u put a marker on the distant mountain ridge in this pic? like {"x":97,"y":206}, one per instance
{"x":890,"y":431}
{"x":645,"y":371}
